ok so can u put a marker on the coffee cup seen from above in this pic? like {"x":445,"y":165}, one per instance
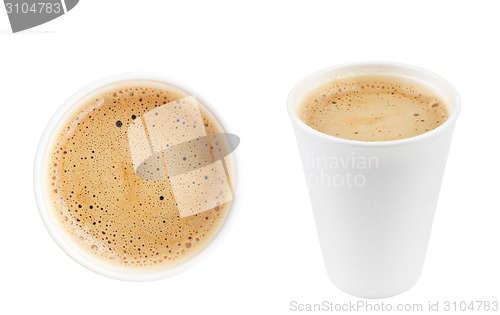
{"x":137,"y":179}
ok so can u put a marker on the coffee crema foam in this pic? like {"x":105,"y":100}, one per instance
{"x":372,"y":107}
{"x":98,"y":200}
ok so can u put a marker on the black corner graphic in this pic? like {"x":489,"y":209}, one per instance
{"x":70,"y":4}
{"x":26,"y":14}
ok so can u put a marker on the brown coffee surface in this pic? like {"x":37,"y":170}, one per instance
{"x":373,"y":108}
{"x":102,"y":204}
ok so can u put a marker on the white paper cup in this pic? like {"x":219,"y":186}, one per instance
{"x":374,"y":221}
{"x":60,"y":236}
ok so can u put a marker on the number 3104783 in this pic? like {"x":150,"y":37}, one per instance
{"x":38,"y":7}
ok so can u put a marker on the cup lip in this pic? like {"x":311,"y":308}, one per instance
{"x":396,"y":69}
{"x":66,"y":244}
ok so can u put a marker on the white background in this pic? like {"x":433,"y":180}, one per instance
{"x":243,"y":58}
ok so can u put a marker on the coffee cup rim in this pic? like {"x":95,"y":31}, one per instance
{"x":67,"y":244}
{"x":394,"y":68}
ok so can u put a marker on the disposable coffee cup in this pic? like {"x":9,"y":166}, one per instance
{"x":374,"y":202}
{"x":60,"y":236}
